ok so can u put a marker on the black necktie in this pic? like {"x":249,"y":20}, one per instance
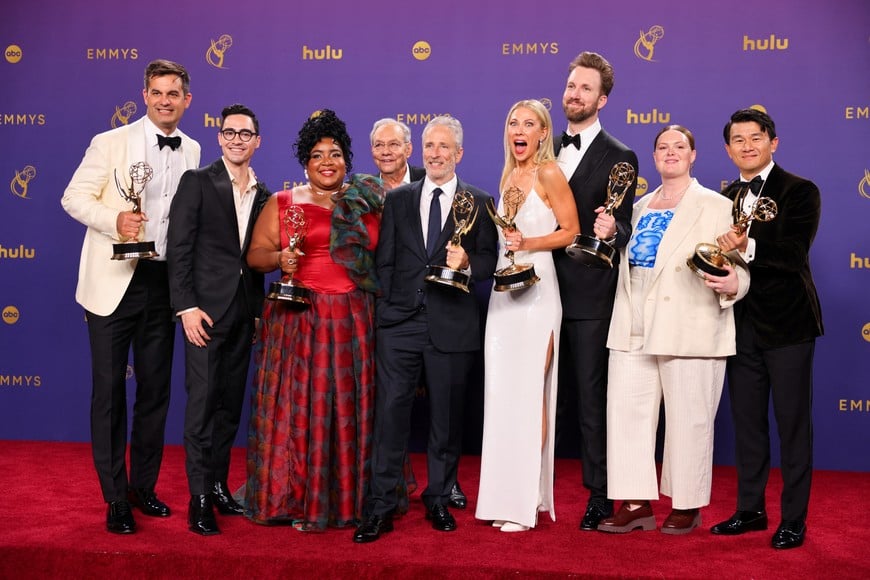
{"x":173,"y":142}
{"x":571,"y":140}
{"x":434,"y":231}
{"x":755,"y":184}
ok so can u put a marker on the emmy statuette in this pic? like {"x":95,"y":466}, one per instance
{"x":709,"y":258}
{"x":516,"y":276}
{"x":464,"y":216}
{"x":591,"y":250}
{"x":140,"y":174}
{"x":295,"y":294}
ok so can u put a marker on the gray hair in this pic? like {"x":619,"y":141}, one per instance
{"x":406,"y":131}
{"x":446,"y":121}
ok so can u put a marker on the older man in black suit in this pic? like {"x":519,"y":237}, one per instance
{"x":425,"y":330}
{"x":217,"y":297}
{"x":391,"y":148}
{"x":777,"y":326}
{"x":586,"y":153}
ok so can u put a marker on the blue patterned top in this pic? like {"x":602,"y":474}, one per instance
{"x":647,"y":235}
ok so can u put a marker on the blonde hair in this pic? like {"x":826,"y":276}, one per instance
{"x":545,"y":147}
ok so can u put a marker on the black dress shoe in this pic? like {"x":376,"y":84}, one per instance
{"x":457,"y":498}
{"x":224,"y":501}
{"x":372,"y":528}
{"x":740,"y":523}
{"x":596,"y":510}
{"x":146,"y":500}
{"x":200,"y":516}
{"x":441,"y":518}
{"x":789,"y":534}
{"x":119,"y":518}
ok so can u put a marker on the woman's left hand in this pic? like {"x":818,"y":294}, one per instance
{"x":726,"y":284}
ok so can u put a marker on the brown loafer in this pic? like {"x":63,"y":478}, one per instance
{"x":682,"y":521}
{"x":626,"y":520}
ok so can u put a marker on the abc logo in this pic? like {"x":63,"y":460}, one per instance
{"x":13,"y":53}
{"x":10,"y":315}
{"x":642,"y":187}
{"x":865,"y":332}
{"x":421,"y":50}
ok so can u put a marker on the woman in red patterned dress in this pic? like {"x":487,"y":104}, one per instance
{"x":310,"y":434}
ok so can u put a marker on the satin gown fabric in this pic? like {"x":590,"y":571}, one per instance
{"x":516,"y":473}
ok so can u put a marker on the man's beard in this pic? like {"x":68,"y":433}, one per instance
{"x":580,"y":115}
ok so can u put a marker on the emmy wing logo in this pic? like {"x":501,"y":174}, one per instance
{"x":215,"y":53}
{"x":21,"y":181}
{"x":864,"y":185}
{"x":548,"y":104}
{"x":645,"y":45}
{"x":122,"y":114}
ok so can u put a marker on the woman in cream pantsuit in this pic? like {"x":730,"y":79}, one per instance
{"x":669,"y":338}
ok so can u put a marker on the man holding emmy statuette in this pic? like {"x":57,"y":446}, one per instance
{"x":777,"y":325}
{"x":218,"y":297}
{"x":127,"y":301}
{"x":425,"y":329}
{"x":587,"y":155}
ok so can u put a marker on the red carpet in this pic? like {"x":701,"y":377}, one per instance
{"x":52,"y":525}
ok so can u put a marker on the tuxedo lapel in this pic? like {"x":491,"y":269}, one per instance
{"x":591,"y":162}
{"x":259,"y":201}
{"x":412,"y":214}
{"x":223,"y":187}
{"x":135,"y":146}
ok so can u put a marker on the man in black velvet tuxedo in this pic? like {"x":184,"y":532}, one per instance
{"x":425,"y":330}
{"x":391,"y":147}
{"x":586,"y":153}
{"x":777,"y":325}
{"x":217,"y":297}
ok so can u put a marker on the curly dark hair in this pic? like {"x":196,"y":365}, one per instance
{"x":322,"y":123}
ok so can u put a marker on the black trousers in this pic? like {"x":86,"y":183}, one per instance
{"x":404,"y":355}
{"x":756,"y":375}
{"x":143,"y":319}
{"x":583,"y":369}
{"x":215,"y":379}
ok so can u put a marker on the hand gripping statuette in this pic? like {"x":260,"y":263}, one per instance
{"x":140,"y":174}
{"x":591,"y":250}
{"x":516,"y":276}
{"x":295,"y":294}
{"x":464,"y":216}
{"x":709,"y":258}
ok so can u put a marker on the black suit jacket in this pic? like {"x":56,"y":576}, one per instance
{"x":782,"y":304}
{"x":402,"y":263}
{"x":203,"y":253}
{"x":416,"y":173}
{"x":588,"y":293}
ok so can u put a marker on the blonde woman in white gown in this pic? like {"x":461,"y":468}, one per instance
{"x":522,"y":331}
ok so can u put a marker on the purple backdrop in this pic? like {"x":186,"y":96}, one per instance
{"x":69,"y":72}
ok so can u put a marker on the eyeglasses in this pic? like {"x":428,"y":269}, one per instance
{"x":244,"y":134}
{"x":392,"y":146}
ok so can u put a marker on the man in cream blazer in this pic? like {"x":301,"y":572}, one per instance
{"x":127,"y":301}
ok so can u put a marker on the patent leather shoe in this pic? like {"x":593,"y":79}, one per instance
{"x":224,"y":502}
{"x":119,"y":517}
{"x":596,"y":510}
{"x":372,"y":528}
{"x":682,"y":521}
{"x":457,"y":499}
{"x":627,"y":520}
{"x":147,"y":502}
{"x":200,"y":516}
{"x":441,"y":518}
{"x":789,"y":534}
{"x":740,"y":523}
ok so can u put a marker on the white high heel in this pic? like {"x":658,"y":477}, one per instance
{"x":498,"y":523}
{"x":514,"y":527}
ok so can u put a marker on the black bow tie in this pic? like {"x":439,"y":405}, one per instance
{"x":173,"y":142}
{"x":571,"y":140}
{"x":755,"y":184}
